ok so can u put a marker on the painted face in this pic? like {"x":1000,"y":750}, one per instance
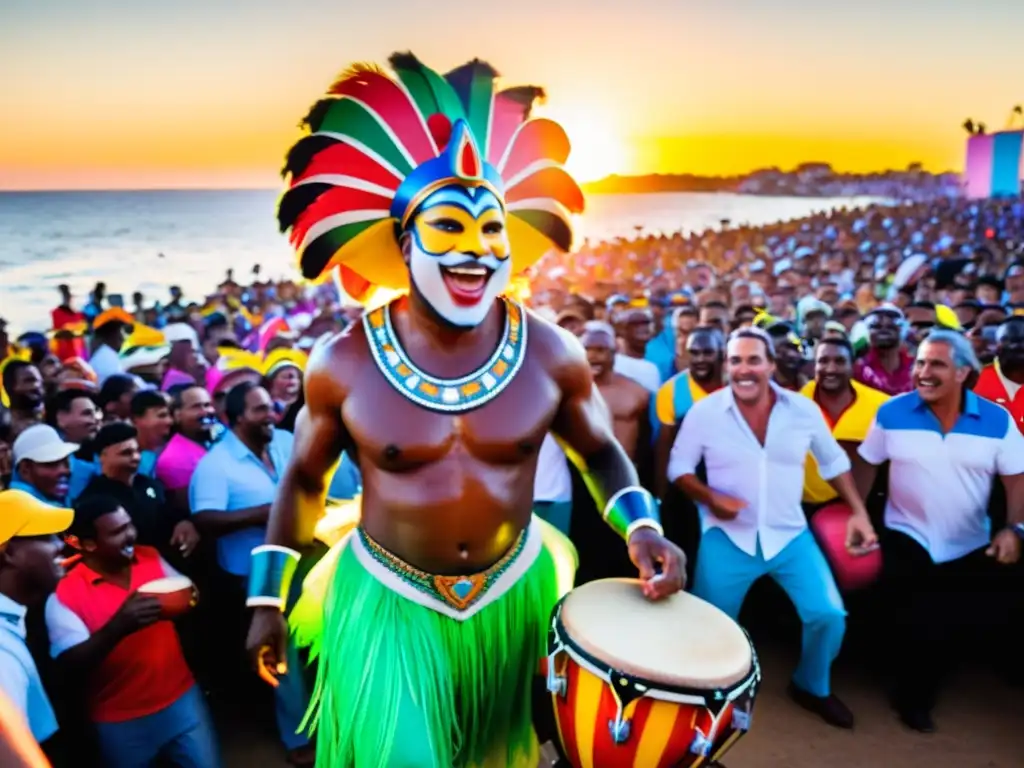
{"x":459,"y":253}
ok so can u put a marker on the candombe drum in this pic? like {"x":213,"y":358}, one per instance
{"x":641,"y":684}
{"x":851,"y":570}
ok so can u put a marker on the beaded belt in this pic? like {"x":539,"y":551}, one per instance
{"x":456,"y":596}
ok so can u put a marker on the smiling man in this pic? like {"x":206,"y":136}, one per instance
{"x":753,"y":437}
{"x":940,"y":565}
{"x":705,"y":351}
{"x":848,"y":406}
{"x":445,"y":395}
{"x":1003,"y":381}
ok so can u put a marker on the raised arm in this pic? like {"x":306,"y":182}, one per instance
{"x":584,"y":424}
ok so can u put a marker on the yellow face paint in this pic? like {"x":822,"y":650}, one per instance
{"x":446,"y":228}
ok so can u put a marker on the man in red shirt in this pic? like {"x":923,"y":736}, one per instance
{"x":140,"y":693}
{"x":887,"y":365}
{"x":1001,"y":382}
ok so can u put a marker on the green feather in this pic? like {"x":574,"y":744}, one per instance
{"x":351,"y":119}
{"x":431,"y":93}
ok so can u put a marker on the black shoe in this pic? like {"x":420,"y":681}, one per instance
{"x":919,"y":720}
{"x":828,"y":708}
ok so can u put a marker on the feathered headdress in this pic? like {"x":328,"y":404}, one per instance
{"x":380,"y":142}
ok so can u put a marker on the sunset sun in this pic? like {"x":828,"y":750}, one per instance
{"x":597,"y":151}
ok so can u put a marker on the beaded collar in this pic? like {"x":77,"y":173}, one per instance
{"x":447,"y":395}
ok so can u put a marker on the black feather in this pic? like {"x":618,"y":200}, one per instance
{"x":303,"y":152}
{"x":315,"y":117}
{"x":295,"y":201}
{"x":406,"y":60}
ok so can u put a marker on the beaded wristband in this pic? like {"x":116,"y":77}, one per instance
{"x":632,"y":508}
{"x":270,"y":577}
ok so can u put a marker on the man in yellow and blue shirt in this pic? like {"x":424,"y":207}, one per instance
{"x":848,"y":406}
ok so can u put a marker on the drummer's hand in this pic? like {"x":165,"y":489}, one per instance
{"x":725,"y":507}
{"x":268,"y":634}
{"x":646,"y":548}
{"x":860,"y":534}
{"x":185,"y":537}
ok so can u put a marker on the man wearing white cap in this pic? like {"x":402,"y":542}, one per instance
{"x":41,"y":464}
{"x":181,"y":363}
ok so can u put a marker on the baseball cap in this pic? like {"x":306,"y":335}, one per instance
{"x":22,"y":514}
{"x":41,"y":443}
{"x":175,"y":332}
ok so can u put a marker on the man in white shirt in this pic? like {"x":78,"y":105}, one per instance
{"x":942,"y":565}
{"x":753,"y":437}
{"x":109,"y":330}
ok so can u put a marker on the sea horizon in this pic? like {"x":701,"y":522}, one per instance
{"x":149,"y":239}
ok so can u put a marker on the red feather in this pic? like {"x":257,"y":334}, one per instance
{"x":346,"y":160}
{"x":335,"y":201}
{"x":538,"y":139}
{"x":511,"y":109}
{"x":549,"y":182}
{"x":385,"y":97}
{"x":441,"y":129}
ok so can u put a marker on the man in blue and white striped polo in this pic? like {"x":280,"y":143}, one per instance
{"x":941,"y":563}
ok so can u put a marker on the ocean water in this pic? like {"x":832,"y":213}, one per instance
{"x":147,"y":241}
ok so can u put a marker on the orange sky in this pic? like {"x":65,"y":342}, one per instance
{"x":105,"y":94}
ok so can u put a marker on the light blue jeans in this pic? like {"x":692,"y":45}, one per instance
{"x":181,"y":734}
{"x":725,"y":574}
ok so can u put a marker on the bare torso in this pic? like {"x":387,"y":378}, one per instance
{"x":447,"y":493}
{"x":628,"y":403}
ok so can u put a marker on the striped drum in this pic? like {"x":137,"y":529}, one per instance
{"x":641,"y":684}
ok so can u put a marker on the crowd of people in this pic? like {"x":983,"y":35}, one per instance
{"x":895,"y":332}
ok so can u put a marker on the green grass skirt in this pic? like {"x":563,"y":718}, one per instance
{"x":399,"y":684}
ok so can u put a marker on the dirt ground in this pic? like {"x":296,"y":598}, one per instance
{"x":980,"y":725}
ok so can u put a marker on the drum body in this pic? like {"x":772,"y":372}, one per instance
{"x":851,"y":571}
{"x":636,"y":684}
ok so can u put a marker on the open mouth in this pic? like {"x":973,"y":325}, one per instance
{"x":466,"y":282}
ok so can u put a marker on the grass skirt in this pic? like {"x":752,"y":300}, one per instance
{"x":399,"y":684}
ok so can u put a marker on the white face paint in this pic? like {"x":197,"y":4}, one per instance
{"x":459,"y":258}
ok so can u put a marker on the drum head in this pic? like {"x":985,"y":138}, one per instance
{"x":680,"y":641}
{"x":166,"y":585}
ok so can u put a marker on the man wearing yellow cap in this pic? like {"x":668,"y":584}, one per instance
{"x":109,"y":330}
{"x":29,"y":572}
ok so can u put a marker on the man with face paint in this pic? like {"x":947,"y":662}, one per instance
{"x":429,"y":619}
{"x":1001,"y":382}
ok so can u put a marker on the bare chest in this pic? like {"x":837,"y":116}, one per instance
{"x":393,"y":432}
{"x":621,"y":401}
